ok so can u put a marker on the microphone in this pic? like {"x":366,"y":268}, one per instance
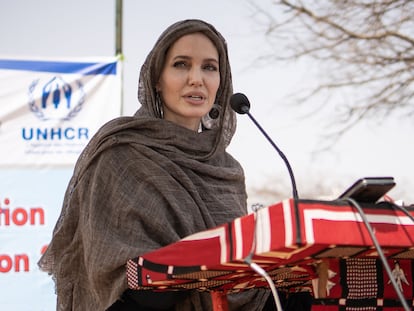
{"x":240,"y":104}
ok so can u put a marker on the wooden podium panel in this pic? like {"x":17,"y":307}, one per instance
{"x":213,"y":260}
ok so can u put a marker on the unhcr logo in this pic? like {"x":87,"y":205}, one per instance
{"x":56,"y":100}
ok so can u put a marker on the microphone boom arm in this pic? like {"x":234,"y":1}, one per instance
{"x":282,"y":155}
{"x":292,"y":177}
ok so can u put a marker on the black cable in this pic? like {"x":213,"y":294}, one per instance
{"x":394,"y":206}
{"x":404,"y":210}
{"x":380,"y":252}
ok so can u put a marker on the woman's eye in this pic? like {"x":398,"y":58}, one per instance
{"x":180,"y":64}
{"x":211,"y":67}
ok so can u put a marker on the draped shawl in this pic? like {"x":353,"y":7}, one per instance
{"x":140,"y":184}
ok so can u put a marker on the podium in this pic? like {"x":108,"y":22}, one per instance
{"x":214,"y":260}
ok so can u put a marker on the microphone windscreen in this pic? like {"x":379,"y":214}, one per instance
{"x":240,"y":103}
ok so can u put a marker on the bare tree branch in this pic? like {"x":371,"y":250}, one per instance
{"x":363,"y":46}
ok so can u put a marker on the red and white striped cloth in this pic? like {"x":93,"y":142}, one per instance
{"x":213,"y":260}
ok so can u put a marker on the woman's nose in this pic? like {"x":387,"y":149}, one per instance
{"x":195,"y":77}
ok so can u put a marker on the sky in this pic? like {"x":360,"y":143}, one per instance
{"x":86,"y":28}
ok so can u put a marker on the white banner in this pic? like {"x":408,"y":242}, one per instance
{"x":30,"y":203}
{"x":49,"y":111}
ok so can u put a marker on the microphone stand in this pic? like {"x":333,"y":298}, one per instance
{"x":241,"y":105}
{"x":292,"y":178}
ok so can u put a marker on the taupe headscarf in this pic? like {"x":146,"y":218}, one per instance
{"x":153,"y":65}
{"x":143,"y":183}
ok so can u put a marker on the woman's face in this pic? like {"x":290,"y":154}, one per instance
{"x":189,"y":80}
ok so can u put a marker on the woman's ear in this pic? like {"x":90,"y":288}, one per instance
{"x":158,"y":87}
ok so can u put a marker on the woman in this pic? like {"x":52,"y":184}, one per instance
{"x":147,"y":181}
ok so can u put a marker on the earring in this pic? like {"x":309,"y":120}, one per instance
{"x":212,"y":118}
{"x":158,"y":105}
